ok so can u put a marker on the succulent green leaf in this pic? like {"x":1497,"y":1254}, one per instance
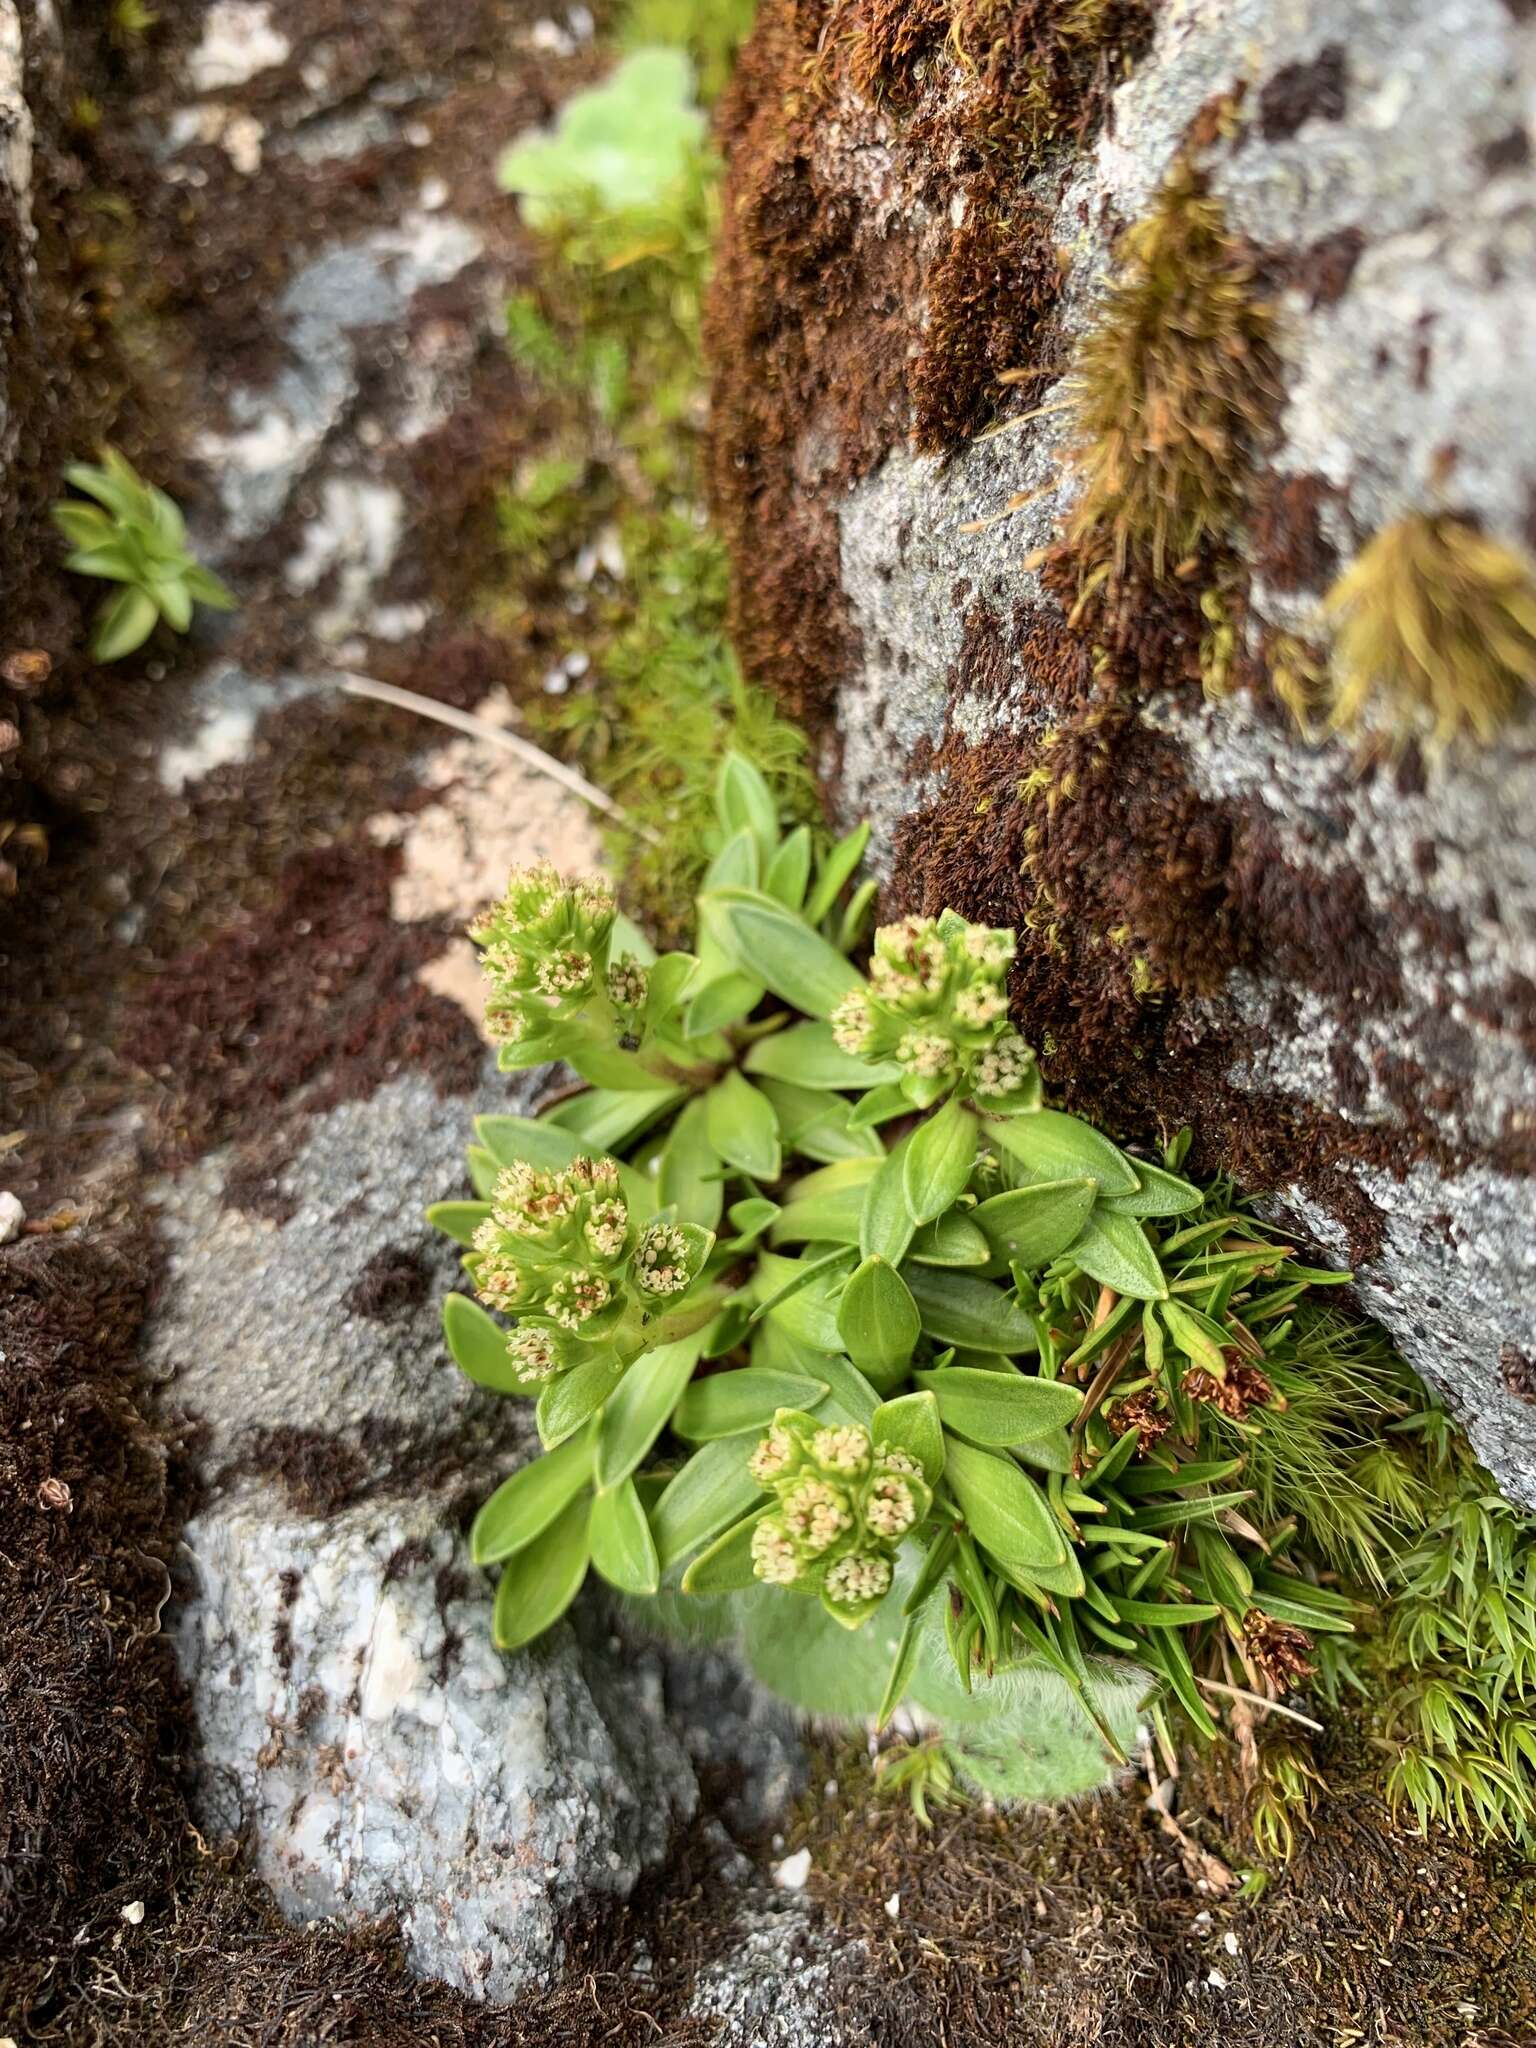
{"x":1004,"y":1508}
{"x":478,"y":1346}
{"x":1193,"y":1339}
{"x":742,"y":1127}
{"x":1000,"y":1408}
{"x":1116,"y":1251}
{"x":817,"y":1124}
{"x":640,"y":1406}
{"x":523,"y":1506}
{"x":123,"y":624}
{"x":794,"y":961}
{"x":688,"y":1175}
{"x":519,"y":1140}
{"x":1029,"y":1227}
{"x":957,"y":1308}
{"x":711,"y":1491}
{"x":725,"y":1566}
{"x":911,"y":1423}
{"x":458,"y":1220}
{"x":878,"y":1321}
{"x":952,"y":1241}
{"x":1050,"y":1145}
{"x":830,"y":1218}
{"x":539,"y":1583}
{"x":744,"y":802}
{"x":838,"y":867}
{"x":724,"y":1000}
{"x":886,"y":1224}
{"x":808,"y":1055}
{"x":603,"y":1119}
{"x":1160,"y":1194}
{"x":937,"y":1162}
{"x":787,"y":874}
{"x":571,"y":1400}
{"x":728,"y":1403}
{"x":623,"y":1548}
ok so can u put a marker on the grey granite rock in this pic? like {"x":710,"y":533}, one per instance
{"x":354,"y":1720}
{"x":1407,"y":389}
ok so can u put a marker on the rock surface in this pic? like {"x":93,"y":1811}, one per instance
{"x":1336,"y":958}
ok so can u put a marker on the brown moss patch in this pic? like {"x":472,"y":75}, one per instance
{"x":1079,"y":1923}
{"x":314,"y":1001}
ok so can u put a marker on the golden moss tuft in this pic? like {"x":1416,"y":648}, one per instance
{"x":1173,"y":387}
{"x":1436,"y":629}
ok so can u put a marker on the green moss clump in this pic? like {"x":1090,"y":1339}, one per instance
{"x":609,"y":336}
{"x":1436,"y":629}
{"x":1173,"y":387}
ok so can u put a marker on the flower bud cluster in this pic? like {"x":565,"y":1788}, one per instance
{"x":936,"y":1002}
{"x":545,"y":953}
{"x":845,"y":1506}
{"x":561,"y":1251}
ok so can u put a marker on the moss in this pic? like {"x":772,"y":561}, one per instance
{"x":1045,"y":68}
{"x":1173,"y":387}
{"x":1435,"y":631}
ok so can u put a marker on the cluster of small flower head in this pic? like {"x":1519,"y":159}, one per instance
{"x":844,"y":1507}
{"x":936,"y":1003}
{"x":553,"y":1245}
{"x":561,"y":1247}
{"x":544,"y":948}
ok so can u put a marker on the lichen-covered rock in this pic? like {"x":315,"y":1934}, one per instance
{"x":355,"y":1723}
{"x":1323,"y":956}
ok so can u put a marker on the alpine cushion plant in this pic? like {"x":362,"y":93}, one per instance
{"x":827,"y":1316}
{"x":133,"y":535}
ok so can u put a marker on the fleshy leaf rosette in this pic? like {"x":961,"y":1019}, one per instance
{"x":936,"y":1002}
{"x":845,"y":1506}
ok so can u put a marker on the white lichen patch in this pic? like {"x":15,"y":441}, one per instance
{"x":239,"y":40}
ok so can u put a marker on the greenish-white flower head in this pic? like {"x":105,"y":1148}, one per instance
{"x":936,"y":1002}
{"x":545,"y":953}
{"x":844,"y":1505}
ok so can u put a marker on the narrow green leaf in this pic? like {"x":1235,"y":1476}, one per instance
{"x":957,"y":1308}
{"x":951,"y":1241}
{"x":1196,"y":1343}
{"x":1162,"y":1613}
{"x":794,"y":961}
{"x":540,"y":1583}
{"x":878,"y":1321}
{"x":623,"y":1548}
{"x":727,"y":1403}
{"x":1030,"y":1226}
{"x":1000,"y":1408}
{"x":798,"y":1294}
{"x":837,"y":867}
{"x":817,"y":1124}
{"x":640,"y":1406}
{"x":880,"y":1106}
{"x":478,"y":1345}
{"x":1005,"y":1510}
{"x":738,"y":864}
{"x":458,"y":1220}
{"x":903,"y":1664}
{"x":603,"y":1119}
{"x":688,"y":1176}
{"x":937,"y":1162}
{"x":1054,"y":1146}
{"x":787,"y":874}
{"x":809,"y":1056}
{"x":519,"y":1140}
{"x":744,"y":802}
{"x":725,"y":999}
{"x":571,"y":1400}
{"x":886,"y":1224}
{"x":725,"y":1566}
{"x":1160,"y":1194}
{"x":742,"y":1128}
{"x":523,"y":1506}
{"x":831,"y":1218}
{"x":910,"y":1423}
{"x":711,"y":1491}
{"x":1116,"y":1251}
{"x":125,"y":622}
